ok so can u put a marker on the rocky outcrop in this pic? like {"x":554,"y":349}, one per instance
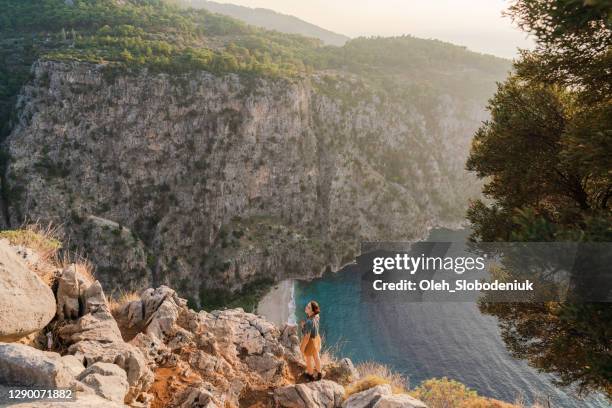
{"x":21,"y":365}
{"x":225,"y":180}
{"x":230,"y":353}
{"x":342,"y":371}
{"x":176,"y":357}
{"x":92,"y":335}
{"x":319,"y":394}
{"x":227,"y":358}
{"x":381,"y":396}
{"x":27,"y":304}
{"x":116,"y":371}
{"x":153,"y":351}
{"x":73,"y":365}
{"x":107,"y":380}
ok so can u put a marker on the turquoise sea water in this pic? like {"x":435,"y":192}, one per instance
{"x":425,"y":340}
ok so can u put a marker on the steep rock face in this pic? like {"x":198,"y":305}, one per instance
{"x":226,"y":180}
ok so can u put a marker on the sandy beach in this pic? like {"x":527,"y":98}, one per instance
{"x":275,"y":305}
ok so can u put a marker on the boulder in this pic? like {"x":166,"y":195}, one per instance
{"x":107,"y":380}
{"x":318,"y":394}
{"x":73,"y":364}
{"x":126,"y":356}
{"x":163,"y":320}
{"x":267,"y":365}
{"x":399,"y":401}
{"x":195,"y":397}
{"x":99,"y":327}
{"x":27,"y":304}
{"x":342,"y":371}
{"x":155,"y":312}
{"x":131,"y":314}
{"x":95,"y":301}
{"x":22,"y":365}
{"x":95,"y":337}
{"x":367,"y":398}
{"x":68,"y":292}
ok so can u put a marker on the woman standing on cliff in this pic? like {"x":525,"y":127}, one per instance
{"x":311,"y":341}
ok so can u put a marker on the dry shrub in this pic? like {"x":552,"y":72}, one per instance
{"x":329,"y":352}
{"x":373,"y":374}
{"x":445,"y":393}
{"x":123,"y":297}
{"x":82,"y":265}
{"x":45,"y":242}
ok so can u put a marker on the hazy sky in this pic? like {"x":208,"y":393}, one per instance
{"x":477,"y":24}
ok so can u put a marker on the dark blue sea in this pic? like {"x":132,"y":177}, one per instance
{"x":425,"y":340}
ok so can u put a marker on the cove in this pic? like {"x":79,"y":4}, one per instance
{"x":425,"y":340}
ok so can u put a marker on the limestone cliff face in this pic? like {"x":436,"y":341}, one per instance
{"x":204,"y":181}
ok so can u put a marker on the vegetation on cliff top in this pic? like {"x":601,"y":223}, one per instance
{"x":44,"y":241}
{"x":164,"y":37}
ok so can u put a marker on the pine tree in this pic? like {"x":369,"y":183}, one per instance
{"x":546,"y":154}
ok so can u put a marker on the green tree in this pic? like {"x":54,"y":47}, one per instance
{"x":126,"y":56}
{"x":545,"y":150}
{"x":546,"y":154}
{"x":573,"y":43}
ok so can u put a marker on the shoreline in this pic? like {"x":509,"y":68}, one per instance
{"x":278,"y":304}
{"x":275,"y":306}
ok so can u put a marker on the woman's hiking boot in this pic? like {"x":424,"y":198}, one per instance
{"x":308,"y":377}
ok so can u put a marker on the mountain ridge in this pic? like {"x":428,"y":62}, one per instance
{"x":271,"y":20}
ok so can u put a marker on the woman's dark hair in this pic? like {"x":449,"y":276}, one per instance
{"x":314,"y":306}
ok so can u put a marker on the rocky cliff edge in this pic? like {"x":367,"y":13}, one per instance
{"x":149,"y":351}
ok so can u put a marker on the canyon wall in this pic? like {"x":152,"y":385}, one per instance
{"x":213,"y":182}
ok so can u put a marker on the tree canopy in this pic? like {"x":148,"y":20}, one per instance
{"x":546,"y":156}
{"x":573,"y":43}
